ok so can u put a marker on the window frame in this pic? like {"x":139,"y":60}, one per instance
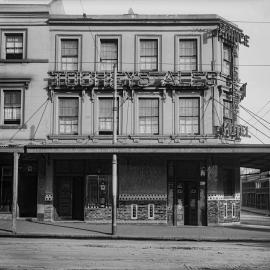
{"x":225,"y":118}
{"x":224,"y":60}
{"x":225,"y":210}
{"x":2,"y":107}
{"x":138,"y":39}
{"x":149,"y":208}
{"x":22,"y":32}
{"x":178,"y":38}
{"x":98,"y":49}
{"x":58,"y":51}
{"x":118,"y":115}
{"x":233,"y":210}
{"x":132,"y":206}
{"x":160,"y":127}
{"x":177,"y":124}
{"x":56,"y":126}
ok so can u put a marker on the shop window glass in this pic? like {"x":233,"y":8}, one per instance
{"x":6,"y":188}
{"x":98,"y":191}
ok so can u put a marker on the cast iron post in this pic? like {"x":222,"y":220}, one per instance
{"x":15,"y":190}
{"x":114,"y":160}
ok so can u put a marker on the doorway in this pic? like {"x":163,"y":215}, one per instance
{"x":69,"y":192}
{"x":27,"y":193}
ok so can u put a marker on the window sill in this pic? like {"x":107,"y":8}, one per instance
{"x":22,"y":61}
{"x":13,"y":126}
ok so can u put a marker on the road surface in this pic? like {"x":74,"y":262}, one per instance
{"x":16,"y":253}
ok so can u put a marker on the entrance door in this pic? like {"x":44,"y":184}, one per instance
{"x":70,"y":197}
{"x":78,"y":198}
{"x":190,"y":203}
{"x":27,"y":196}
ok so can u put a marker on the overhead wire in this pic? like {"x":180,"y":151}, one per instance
{"x":245,"y":121}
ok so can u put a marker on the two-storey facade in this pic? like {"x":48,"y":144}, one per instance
{"x":177,"y":97}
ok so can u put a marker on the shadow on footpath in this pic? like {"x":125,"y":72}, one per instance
{"x":68,"y":227}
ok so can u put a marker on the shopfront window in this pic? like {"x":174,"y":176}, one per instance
{"x":98,"y":191}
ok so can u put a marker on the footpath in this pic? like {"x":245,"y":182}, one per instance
{"x":247,"y":231}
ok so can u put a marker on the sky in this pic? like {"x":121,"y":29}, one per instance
{"x":252,"y":16}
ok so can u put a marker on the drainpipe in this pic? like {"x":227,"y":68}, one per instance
{"x":114,"y":158}
{"x":16,"y":156}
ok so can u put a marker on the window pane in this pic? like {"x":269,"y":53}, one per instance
{"x":227,"y":109}
{"x":14,"y":46}
{"x":12,"y":107}
{"x":187,"y":54}
{"x":68,"y":115}
{"x":189,"y":116}
{"x":148,"y":54}
{"x":108,"y":54}
{"x":227,"y":59}
{"x":69,"y":54}
{"x":106,"y":116}
{"x":149,"y":115}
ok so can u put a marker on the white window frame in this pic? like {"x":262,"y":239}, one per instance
{"x":177,"y":114}
{"x":3,"y":42}
{"x":58,"y":55}
{"x":137,"y":115}
{"x":138,"y":38}
{"x":98,"y":49}
{"x":177,"y":47}
{"x":225,"y":210}
{"x":56,"y":126}
{"x":149,"y":211}
{"x":223,"y":59}
{"x":233,"y":210}
{"x":136,"y":211}
{"x":2,"y":90}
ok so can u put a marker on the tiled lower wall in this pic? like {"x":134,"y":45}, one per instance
{"x":124,"y":214}
{"x":216,"y":210}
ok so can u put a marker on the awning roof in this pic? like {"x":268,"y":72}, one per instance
{"x":249,"y":155}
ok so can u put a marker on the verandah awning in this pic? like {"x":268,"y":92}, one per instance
{"x":249,"y":155}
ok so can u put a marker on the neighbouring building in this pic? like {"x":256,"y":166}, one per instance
{"x":178,"y":93}
{"x":256,"y":191}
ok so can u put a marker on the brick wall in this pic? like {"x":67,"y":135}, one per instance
{"x":103,"y":215}
{"x":216,"y":211}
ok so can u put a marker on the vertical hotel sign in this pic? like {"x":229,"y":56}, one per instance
{"x":232,"y":34}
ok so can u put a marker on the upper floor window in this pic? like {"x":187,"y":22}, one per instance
{"x":148,"y":54}
{"x":149,"y":115}
{"x":187,"y":54}
{"x":189,"y":116}
{"x":227,"y":59}
{"x":13,"y":44}
{"x":108,"y":54}
{"x":69,"y":54}
{"x":227,"y":110}
{"x":12,"y":107}
{"x":68,"y":115}
{"x":106,"y":116}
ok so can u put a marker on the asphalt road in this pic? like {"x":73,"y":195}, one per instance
{"x":16,"y":253}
